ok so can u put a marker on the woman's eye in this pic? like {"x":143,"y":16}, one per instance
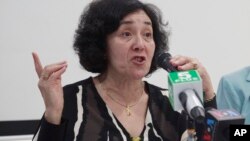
{"x":148,"y":35}
{"x":126,"y":34}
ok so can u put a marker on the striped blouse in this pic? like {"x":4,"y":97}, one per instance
{"x":87,"y":118}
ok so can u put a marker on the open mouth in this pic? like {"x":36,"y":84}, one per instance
{"x":139,"y":59}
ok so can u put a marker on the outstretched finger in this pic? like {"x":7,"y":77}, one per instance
{"x":57,"y":74}
{"x":37,"y":63}
{"x":50,"y":69}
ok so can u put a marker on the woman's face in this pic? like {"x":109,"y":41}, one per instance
{"x":131,"y":47}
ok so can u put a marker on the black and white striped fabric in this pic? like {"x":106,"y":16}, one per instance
{"x":87,"y":118}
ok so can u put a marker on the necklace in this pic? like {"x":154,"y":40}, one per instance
{"x":127,"y":107}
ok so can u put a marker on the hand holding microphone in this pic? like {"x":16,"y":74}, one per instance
{"x":191,"y":77}
{"x":184,"y":63}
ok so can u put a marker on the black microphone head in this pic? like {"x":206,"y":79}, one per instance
{"x":198,"y":113}
{"x":163,"y":62}
{"x":162,"y":58}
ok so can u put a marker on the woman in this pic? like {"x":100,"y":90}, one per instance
{"x":119,"y":40}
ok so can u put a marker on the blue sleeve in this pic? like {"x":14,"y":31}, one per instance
{"x":227,"y":95}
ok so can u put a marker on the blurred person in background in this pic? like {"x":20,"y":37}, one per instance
{"x":234,"y":92}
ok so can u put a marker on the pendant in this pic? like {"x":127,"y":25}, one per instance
{"x":136,"y":138}
{"x":128,"y":110}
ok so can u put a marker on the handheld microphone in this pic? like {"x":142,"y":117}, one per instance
{"x":185,"y":89}
{"x":163,"y":61}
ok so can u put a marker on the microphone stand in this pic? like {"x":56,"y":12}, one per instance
{"x":195,"y":128}
{"x":191,"y":130}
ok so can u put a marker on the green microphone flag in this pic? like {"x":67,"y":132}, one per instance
{"x":181,"y":81}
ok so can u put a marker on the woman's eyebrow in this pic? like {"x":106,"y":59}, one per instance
{"x":131,"y":22}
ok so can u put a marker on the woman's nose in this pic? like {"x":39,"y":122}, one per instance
{"x":139,"y":44}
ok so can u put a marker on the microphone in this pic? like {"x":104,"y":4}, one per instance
{"x":185,"y":89}
{"x":218,"y":124}
{"x":192,"y":104}
{"x":163,"y":61}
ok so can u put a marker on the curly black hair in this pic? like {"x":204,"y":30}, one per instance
{"x":101,"y":18}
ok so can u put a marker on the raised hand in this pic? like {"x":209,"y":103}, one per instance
{"x":50,"y":87}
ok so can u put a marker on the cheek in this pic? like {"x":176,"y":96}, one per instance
{"x":118,"y":56}
{"x":151,"y":51}
{"x":116,"y":49}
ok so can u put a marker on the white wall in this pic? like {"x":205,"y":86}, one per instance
{"x":217,"y":32}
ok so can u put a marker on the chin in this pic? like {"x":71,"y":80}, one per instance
{"x":140,"y":74}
